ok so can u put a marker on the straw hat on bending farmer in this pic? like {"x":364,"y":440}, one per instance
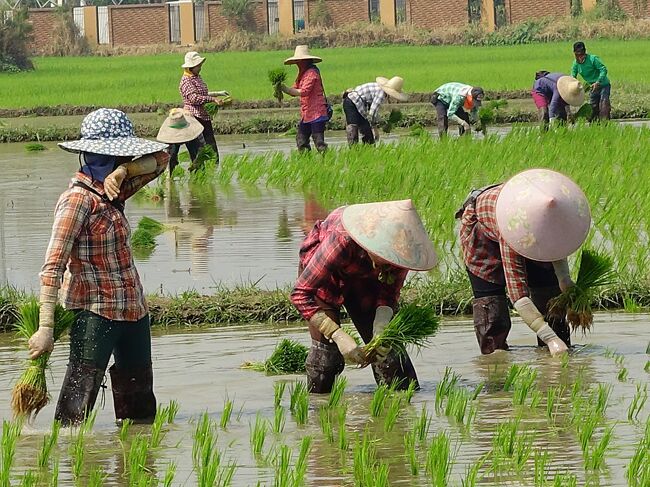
{"x":515,"y":237}
{"x":179,"y":128}
{"x":358,"y":257}
{"x":361,"y":107}
{"x":453,"y":101}
{"x":90,"y":243}
{"x":553,"y":93}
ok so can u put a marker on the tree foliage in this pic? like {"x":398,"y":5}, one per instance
{"x":240,"y":12}
{"x":14,"y":36}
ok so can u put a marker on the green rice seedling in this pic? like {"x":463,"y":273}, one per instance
{"x":142,"y":241}
{"x":417,"y":130}
{"x":638,"y":402}
{"x":97,"y":477}
{"x":297,"y":389}
{"x":523,"y":385}
{"x":410,"y":441}
{"x":378,"y":402}
{"x":380,"y":475}
{"x":29,"y":479}
{"x":393,"y":119}
{"x":212,"y":108}
{"x":137,"y":462}
{"x":513,"y":374}
{"x":287,"y":358}
{"x":412,"y":325}
{"x":258,"y":435}
{"x":564,"y":361}
{"x":325,"y":421}
{"x":279,"y":419}
{"x":124,"y":430}
{"x":300,"y":468}
{"x":595,"y":457}
{"x":34,"y":147}
{"x":584,"y":112}
{"x":29,"y":394}
{"x":392,"y":413}
{"x":336,"y":394}
{"x":341,"y":413}
{"x":622,"y":375}
{"x":410,"y":391}
{"x":365,"y":463}
{"x":170,"y":473}
{"x":49,"y":442}
{"x":54,"y":476}
{"x":535,"y":398}
{"x":152,"y":226}
{"x":422,"y":424}
{"x":278,"y":392}
{"x":619,"y":359}
{"x":78,"y":452}
{"x":277,"y":77}
{"x":541,"y":465}
{"x":552,"y":396}
{"x":211,"y":470}
{"x":596,"y":270}
{"x":565,"y":480}
{"x":512,"y":445}
{"x":459,"y":405}
{"x":226,"y":414}
{"x":157,"y":433}
{"x":647,"y":366}
{"x":439,"y":460}
{"x":638,"y":470}
{"x":647,"y":349}
{"x":301,"y":413}
{"x":283,"y":472}
{"x":172,"y":411}
{"x":472,"y":473}
{"x":477,"y":390}
{"x":448,"y":382}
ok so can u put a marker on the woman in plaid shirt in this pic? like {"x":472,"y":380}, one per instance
{"x":358,"y":257}
{"x":89,"y":258}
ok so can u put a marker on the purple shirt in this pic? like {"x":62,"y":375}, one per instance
{"x":547,"y":87}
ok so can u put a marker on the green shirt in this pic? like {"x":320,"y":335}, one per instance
{"x":591,"y":70}
{"x":453,"y":94}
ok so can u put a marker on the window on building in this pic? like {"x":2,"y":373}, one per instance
{"x":373,"y":11}
{"x":474,"y":11}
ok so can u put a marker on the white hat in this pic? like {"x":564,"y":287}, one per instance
{"x":571,"y":90}
{"x":393,"y":87}
{"x":192,"y":59}
{"x":179,"y":127}
{"x":301,"y":54}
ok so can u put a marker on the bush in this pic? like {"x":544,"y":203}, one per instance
{"x":14,"y":35}
{"x":66,"y":38}
{"x":609,"y":9}
{"x":320,"y":16}
{"x":240,"y":12}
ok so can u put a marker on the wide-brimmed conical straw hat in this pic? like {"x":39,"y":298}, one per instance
{"x":393,"y":231}
{"x":571,"y":90}
{"x":301,"y":54}
{"x":543,"y":215}
{"x":179,"y":127}
{"x":393,"y":87}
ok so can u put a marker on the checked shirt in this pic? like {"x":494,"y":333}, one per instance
{"x":89,"y":250}
{"x":453,"y":94}
{"x":195,"y":95}
{"x":368,"y":98}
{"x":332,"y":263}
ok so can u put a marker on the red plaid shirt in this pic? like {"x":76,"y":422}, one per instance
{"x":485,"y":253}
{"x":90,"y":251}
{"x":312,"y":97}
{"x":330,"y":260}
{"x":195,"y":95}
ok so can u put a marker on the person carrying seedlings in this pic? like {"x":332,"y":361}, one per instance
{"x":195,"y":96}
{"x":180,"y":127}
{"x":89,"y":258}
{"x":313,"y":104}
{"x":358,"y":257}
{"x":361,"y":107}
{"x":553,"y":92}
{"x":453,"y":101}
{"x":594,"y":72}
{"x":515,"y":237}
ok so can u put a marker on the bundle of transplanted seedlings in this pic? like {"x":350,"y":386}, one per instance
{"x":143,"y":238}
{"x":584,"y":112}
{"x":394,"y":118}
{"x":277,"y":77}
{"x":487,"y":114}
{"x":213,"y":109}
{"x":412,"y":325}
{"x":596,"y":270}
{"x":287,"y":358}
{"x":30,"y":394}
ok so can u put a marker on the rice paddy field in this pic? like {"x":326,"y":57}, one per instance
{"x":135,"y":80}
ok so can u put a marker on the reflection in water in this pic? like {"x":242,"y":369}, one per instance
{"x":313,"y":212}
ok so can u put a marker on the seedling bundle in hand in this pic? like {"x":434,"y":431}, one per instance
{"x":30,"y":394}
{"x":277,"y":77}
{"x":487,"y":114}
{"x":393,"y":119}
{"x":585,"y":112}
{"x":596,"y":270}
{"x":412,"y":325}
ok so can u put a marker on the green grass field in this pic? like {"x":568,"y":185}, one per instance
{"x":133,"y":80}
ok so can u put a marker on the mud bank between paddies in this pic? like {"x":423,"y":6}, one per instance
{"x":246,"y":305}
{"x":62,"y":123}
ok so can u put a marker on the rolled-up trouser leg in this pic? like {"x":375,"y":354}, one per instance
{"x":352,"y":133}
{"x":491,"y":323}
{"x":395,"y":370}
{"x":319,"y":141}
{"x":540,"y":296}
{"x":605,"y":109}
{"x":442,"y":118}
{"x":133,"y":396}
{"x":324,"y":362}
{"x":78,"y":392}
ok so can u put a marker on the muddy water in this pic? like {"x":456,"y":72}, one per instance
{"x":200,"y":369}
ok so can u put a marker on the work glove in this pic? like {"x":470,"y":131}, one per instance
{"x":461,"y":122}
{"x":595,"y":87}
{"x":561,"y":268}
{"x":218,"y":93}
{"x":348,"y":347}
{"x":42,"y":340}
{"x":138,"y":167}
{"x":535,"y":321}
{"x":383,"y":316}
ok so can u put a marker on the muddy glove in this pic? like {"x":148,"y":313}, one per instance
{"x":383,"y":316}
{"x":460,"y":122}
{"x":113,"y":182}
{"x":535,"y":321}
{"x":348,"y":347}
{"x":561,"y":268}
{"x":42,"y":340}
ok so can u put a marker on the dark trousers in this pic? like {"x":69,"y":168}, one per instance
{"x":443,"y":119}
{"x":353,"y":117}
{"x":316,"y":131}
{"x":193,"y":147}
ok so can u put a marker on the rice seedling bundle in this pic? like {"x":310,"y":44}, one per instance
{"x":412,"y":325}
{"x":34,"y":147}
{"x":287,"y":358}
{"x":596,"y":270}
{"x":212,"y":108}
{"x":394,"y":118}
{"x":30,"y":394}
{"x":584,"y":112}
{"x":277,"y":76}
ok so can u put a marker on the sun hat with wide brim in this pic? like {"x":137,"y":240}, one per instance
{"x":393,"y":231}
{"x":192,"y":59}
{"x":302,"y":54}
{"x":179,"y":127}
{"x":393,"y":87}
{"x":571,"y":90}
{"x":110,"y":132}
{"x":543,"y":215}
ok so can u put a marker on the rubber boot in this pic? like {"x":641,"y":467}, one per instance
{"x":367,"y":135}
{"x":78,"y":392}
{"x":324,"y":362}
{"x":491,"y":323}
{"x":133,"y":396}
{"x":397,"y":370}
{"x":352,"y":133}
{"x":319,"y":141}
{"x":302,"y":141}
{"x":605,"y":110}
{"x":595,"y":112}
{"x":540,"y":296}
{"x":443,"y":126}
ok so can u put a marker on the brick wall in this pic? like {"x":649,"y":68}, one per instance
{"x":632,"y":11}
{"x":430,"y":14}
{"x":341,"y":11}
{"x":216,"y":23}
{"x":138,"y":25}
{"x":43,"y":21}
{"x":521,"y":10}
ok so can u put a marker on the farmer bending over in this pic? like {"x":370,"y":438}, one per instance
{"x":358,"y":257}
{"x":516,"y":237}
{"x":361,"y":107}
{"x":594,"y":72}
{"x":454,"y":101}
{"x":552,"y":93}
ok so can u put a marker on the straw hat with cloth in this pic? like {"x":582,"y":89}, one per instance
{"x":393,"y":87}
{"x":192,"y":59}
{"x":392,"y":231}
{"x":179,"y":127}
{"x":302,"y":54}
{"x":571,"y":90}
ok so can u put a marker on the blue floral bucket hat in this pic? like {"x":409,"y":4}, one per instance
{"x":110,"y":132}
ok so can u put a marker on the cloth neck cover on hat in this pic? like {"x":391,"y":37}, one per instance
{"x":188,"y":73}
{"x":98,"y":166}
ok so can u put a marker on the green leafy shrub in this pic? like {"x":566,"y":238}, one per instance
{"x":239,"y":12}
{"x":14,"y":35}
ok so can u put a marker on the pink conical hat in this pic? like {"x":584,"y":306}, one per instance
{"x":393,"y":231}
{"x":543,"y":215}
